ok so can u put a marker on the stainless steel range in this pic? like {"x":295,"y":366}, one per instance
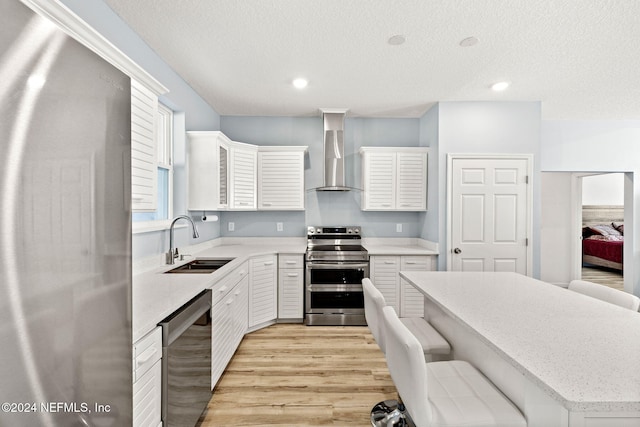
{"x":335,"y":265}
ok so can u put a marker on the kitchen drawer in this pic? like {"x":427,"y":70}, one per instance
{"x":224,"y":286}
{"x":290,"y":261}
{"x":146,"y":351}
{"x":147,"y":398}
{"x":416,"y":262}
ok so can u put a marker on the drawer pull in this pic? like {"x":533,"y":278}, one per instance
{"x":410,"y":262}
{"x":229,"y":302}
{"x":290,"y":262}
{"x":236,"y":293}
{"x":268,"y":263}
{"x":292,"y":274}
{"x":389,"y":262}
{"x":142,"y":360}
{"x":241,"y":272}
{"x":222,"y":289}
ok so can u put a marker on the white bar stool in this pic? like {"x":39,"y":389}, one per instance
{"x":448,"y":393}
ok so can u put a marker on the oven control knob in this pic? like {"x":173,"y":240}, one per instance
{"x":349,"y":231}
{"x":310,"y":230}
{"x":318,"y":230}
{"x":356,"y":230}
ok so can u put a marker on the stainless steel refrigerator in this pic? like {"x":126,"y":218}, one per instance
{"x":65,"y":241}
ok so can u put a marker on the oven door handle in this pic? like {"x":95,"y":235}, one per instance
{"x":335,"y":266}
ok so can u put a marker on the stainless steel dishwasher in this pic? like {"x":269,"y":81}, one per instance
{"x":186,"y":362}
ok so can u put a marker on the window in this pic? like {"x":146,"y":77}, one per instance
{"x":160,"y":217}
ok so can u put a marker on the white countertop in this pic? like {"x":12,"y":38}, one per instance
{"x":582,"y":351}
{"x":398,"y":250}
{"x":399,"y":246}
{"x":157,"y":295}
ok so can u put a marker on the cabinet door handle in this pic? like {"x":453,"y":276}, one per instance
{"x":386,"y":205}
{"x":223,"y":289}
{"x":410,"y":262}
{"x":268,"y":263}
{"x":229,"y":302}
{"x":266,"y":204}
{"x":236,"y":293}
{"x":292,"y":274}
{"x":290,"y":262}
{"x":404,"y":205}
{"x":141,"y":361}
{"x":389,"y":262}
{"x":243,"y":203}
{"x":241,"y":272}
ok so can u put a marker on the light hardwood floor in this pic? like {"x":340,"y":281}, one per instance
{"x":296,"y":375}
{"x":604,"y":276}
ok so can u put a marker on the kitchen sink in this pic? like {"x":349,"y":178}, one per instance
{"x":201,"y":266}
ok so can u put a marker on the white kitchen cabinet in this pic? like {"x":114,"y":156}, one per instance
{"x":147,"y":380}
{"x":243,"y":176}
{"x":403,"y":297}
{"x":394,"y":178}
{"x":228,"y":319}
{"x":281,"y":178}
{"x":208,"y":171}
{"x":290,"y":288}
{"x":411,"y":300}
{"x":144,"y":162}
{"x":384,"y":275}
{"x":263,"y":290}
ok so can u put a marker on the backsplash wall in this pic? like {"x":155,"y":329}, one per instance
{"x":322,"y":208}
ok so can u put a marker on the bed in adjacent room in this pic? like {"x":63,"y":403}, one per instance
{"x":603,"y":236}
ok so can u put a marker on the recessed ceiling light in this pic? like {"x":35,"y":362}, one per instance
{"x":500,"y":86}
{"x":396,"y":40}
{"x":469,"y":41}
{"x":300,"y":83}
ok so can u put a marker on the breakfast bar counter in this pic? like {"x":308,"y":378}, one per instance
{"x":565,"y":359}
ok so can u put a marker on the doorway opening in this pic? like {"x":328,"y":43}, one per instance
{"x":602,"y":229}
{"x":561,"y":232}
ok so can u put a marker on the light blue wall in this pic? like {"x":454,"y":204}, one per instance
{"x":323,"y":208}
{"x":601,"y":146}
{"x":192,"y":113}
{"x":429,"y":134}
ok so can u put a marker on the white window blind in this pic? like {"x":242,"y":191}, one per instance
{"x":144,"y":185}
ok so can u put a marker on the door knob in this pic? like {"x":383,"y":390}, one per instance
{"x":457,"y":250}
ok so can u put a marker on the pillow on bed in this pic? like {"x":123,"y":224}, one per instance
{"x":618,"y":226}
{"x":604,"y":230}
{"x":608,"y":238}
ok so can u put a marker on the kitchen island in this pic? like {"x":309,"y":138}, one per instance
{"x":563,"y":358}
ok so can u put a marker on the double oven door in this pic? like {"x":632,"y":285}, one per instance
{"x":334,"y":292}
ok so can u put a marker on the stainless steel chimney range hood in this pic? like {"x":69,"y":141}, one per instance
{"x":334,"y":174}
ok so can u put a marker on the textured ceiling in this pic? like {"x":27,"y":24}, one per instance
{"x":581,"y":58}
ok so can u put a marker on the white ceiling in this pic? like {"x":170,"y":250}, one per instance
{"x":581,"y":58}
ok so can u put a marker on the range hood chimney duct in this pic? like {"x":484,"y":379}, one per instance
{"x":334,"y":178}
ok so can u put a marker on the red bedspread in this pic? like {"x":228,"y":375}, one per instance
{"x":610,"y":250}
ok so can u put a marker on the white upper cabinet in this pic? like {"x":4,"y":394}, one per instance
{"x":243,"y":173}
{"x":144,"y":182}
{"x":208,"y":171}
{"x":281,"y":178}
{"x":230,"y":175}
{"x":394,"y":178}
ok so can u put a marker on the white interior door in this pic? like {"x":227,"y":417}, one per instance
{"x":489,"y":214}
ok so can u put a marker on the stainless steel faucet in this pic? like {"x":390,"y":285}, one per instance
{"x":171,"y":255}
